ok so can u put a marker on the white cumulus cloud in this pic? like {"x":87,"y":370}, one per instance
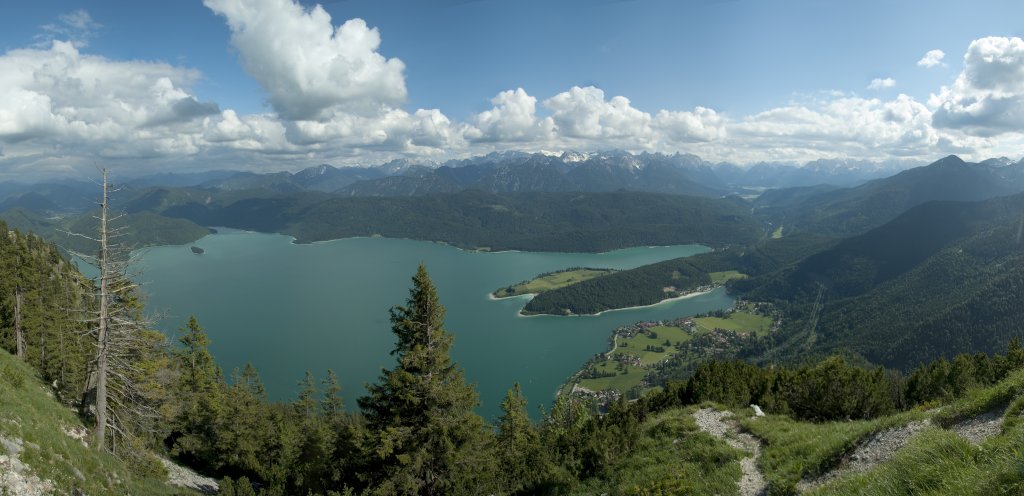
{"x":584,"y":113}
{"x":61,"y":97}
{"x":308,"y":67}
{"x":987,"y":97}
{"x":879,"y":83}
{"x":337,"y":99}
{"x":932,"y":58}
{"x":513,"y":119}
{"x":845,"y":127}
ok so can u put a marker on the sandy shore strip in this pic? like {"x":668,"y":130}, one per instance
{"x":662,"y":302}
{"x":490,"y":296}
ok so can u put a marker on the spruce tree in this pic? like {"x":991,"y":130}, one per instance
{"x":201,"y":393}
{"x":332,"y":405}
{"x":426,"y":438}
{"x":518,"y":444}
{"x":199,"y":373}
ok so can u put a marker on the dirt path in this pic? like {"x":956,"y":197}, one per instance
{"x":982,"y":427}
{"x":883,"y":445}
{"x":878,"y":448}
{"x":714,"y":422}
{"x":187,"y":478}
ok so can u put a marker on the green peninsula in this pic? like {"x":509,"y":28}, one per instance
{"x":551,"y":280}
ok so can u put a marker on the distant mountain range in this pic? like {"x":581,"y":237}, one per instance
{"x":499,"y":172}
{"x":504,"y":172}
{"x":846,"y":211}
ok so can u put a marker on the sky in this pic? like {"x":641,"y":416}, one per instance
{"x":189,"y":85}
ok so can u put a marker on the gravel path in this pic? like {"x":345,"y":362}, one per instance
{"x":980,"y":428}
{"x":714,"y":422}
{"x":878,"y":448}
{"x":184,"y":477}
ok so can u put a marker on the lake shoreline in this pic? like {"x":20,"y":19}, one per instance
{"x":296,"y":241}
{"x":337,"y":295}
{"x":602,"y":312}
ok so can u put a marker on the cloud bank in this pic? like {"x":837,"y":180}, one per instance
{"x":336,"y":98}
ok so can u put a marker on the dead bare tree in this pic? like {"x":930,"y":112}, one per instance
{"x":19,"y":333}
{"x":118,"y":327}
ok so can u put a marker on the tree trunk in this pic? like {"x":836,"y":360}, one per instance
{"x":103,"y":337}
{"x":19,"y":333}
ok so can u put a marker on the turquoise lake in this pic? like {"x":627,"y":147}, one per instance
{"x":289,"y":308}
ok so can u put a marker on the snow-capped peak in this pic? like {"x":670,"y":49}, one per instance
{"x":570,"y":157}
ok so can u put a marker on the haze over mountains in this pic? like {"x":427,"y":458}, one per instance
{"x":497,"y":173}
{"x":854,"y":210}
{"x":568,"y":171}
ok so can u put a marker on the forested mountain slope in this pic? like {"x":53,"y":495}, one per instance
{"x":851,"y":211}
{"x":608,"y":171}
{"x":473,"y":219}
{"x":645,"y":285}
{"x":943,"y":278}
{"x":139,"y":230}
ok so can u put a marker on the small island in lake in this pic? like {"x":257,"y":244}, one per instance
{"x":197,"y":250}
{"x":551,"y":280}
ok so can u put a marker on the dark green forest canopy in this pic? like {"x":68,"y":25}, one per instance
{"x":851,"y":211}
{"x":645,"y":285}
{"x":54,"y":297}
{"x":587,"y":222}
{"x":137,"y":230}
{"x":944,"y":278}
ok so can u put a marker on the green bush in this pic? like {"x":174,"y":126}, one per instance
{"x":12,"y":377}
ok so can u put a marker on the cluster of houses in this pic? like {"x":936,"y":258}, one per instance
{"x":627,"y":359}
{"x":708,"y":344}
{"x":601,"y":398}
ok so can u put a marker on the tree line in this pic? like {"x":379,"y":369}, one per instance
{"x":835,"y":389}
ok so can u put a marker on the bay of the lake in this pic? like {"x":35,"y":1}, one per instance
{"x":289,"y":308}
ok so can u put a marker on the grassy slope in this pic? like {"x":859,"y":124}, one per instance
{"x":672,"y":457}
{"x":619,"y":382}
{"x":551,"y":281}
{"x":935,"y":462}
{"x":636,"y":345}
{"x":28,"y":413}
{"x":941,"y":462}
{"x":794,"y":450}
{"x":737,"y":321}
{"x":725,"y":276}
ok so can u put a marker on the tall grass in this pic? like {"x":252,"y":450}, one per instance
{"x":796,"y":450}
{"x":939,"y":462}
{"x":982,"y":400}
{"x":30,"y":414}
{"x":673,"y":457}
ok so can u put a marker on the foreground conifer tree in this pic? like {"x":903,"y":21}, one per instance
{"x":519,"y":451}
{"x":427,"y":439}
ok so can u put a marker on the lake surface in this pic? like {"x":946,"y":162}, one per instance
{"x":289,"y":308}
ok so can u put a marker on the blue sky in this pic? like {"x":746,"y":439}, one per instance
{"x":252,"y":83}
